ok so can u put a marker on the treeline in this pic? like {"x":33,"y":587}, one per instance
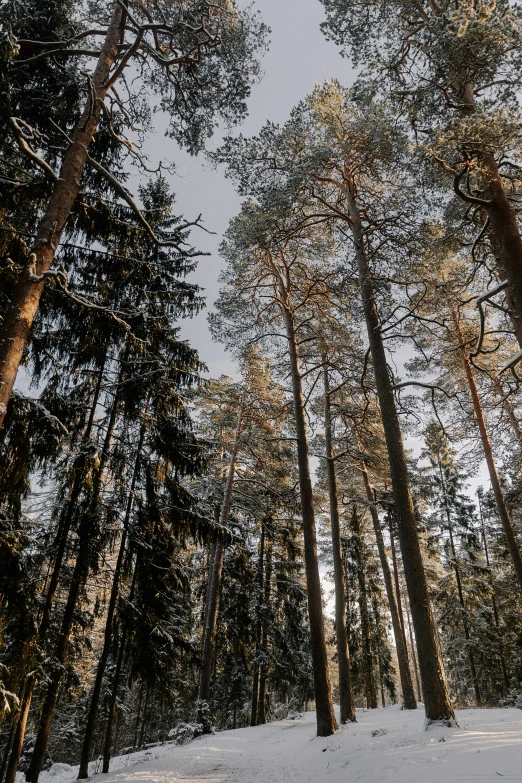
{"x":160,"y":534}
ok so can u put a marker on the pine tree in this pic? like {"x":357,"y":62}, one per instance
{"x":251,"y":255}
{"x":461,"y":92}
{"x":335,"y":177}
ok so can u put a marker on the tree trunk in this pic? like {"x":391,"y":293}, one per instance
{"x":83,"y":771}
{"x":506,"y":239}
{"x":326,"y":723}
{"x":397,"y":582}
{"x":408,"y":694}
{"x":371,"y":691}
{"x":10,"y":739}
{"x":26,"y":295}
{"x":138,"y":716}
{"x":19,"y":736}
{"x":210,"y":567}
{"x":507,"y":242}
{"x":209,"y":640}
{"x":379,"y":656}
{"x":493,"y":598}
{"x":111,"y":717}
{"x":263,"y":674}
{"x":255,"y":695}
{"x":115,"y":685}
{"x":66,"y":518}
{"x":141,"y":740}
{"x":399,"y":606}
{"x":79,"y":575}
{"x":381,"y":678}
{"x":209,"y":637}
{"x":515,"y":424}
{"x":502,"y":509}
{"x":460,"y":592}
{"x":437,"y":700}
{"x":414,"y":656}
{"x":347,"y":706}
{"x":60,"y":546}
{"x":255,"y":679}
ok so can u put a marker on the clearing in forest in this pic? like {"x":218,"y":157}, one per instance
{"x":386,"y":746}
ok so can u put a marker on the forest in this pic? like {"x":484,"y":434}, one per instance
{"x":339,"y":522}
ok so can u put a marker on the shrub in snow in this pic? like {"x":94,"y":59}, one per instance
{"x":204,"y":717}
{"x":61,"y":771}
{"x":513,"y":700}
{"x":185,"y":732}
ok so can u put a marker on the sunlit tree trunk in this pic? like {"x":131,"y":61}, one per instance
{"x":79,"y":574}
{"x":83,"y":771}
{"x":347,"y":706}
{"x":460,"y":592}
{"x":408,"y":694}
{"x":209,"y":637}
{"x":19,"y":317}
{"x":326,"y":722}
{"x":507,"y":525}
{"x":437,"y":701}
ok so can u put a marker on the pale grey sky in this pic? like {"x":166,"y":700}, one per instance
{"x":299,"y":57}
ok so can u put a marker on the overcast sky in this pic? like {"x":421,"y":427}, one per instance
{"x":299,"y":57}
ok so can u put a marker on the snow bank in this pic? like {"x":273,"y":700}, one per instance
{"x":385,"y":746}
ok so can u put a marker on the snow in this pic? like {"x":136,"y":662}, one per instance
{"x":385,"y":746}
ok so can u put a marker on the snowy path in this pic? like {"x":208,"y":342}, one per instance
{"x":487,"y":747}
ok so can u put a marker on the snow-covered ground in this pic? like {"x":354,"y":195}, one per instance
{"x":385,"y":746}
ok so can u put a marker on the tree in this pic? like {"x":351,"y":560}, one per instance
{"x":455,"y":513}
{"x":279,"y":273}
{"x":137,"y":375}
{"x":456,"y":79}
{"x":450,"y":322}
{"x":335,"y":159}
{"x":345,"y":685}
{"x":181,"y":51}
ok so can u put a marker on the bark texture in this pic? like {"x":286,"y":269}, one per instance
{"x":326,"y":722}
{"x":346,"y":703}
{"x":27,"y":292}
{"x":507,"y":525}
{"x":209,"y":635}
{"x":408,"y":694}
{"x":471,"y":656}
{"x":83,"y":771}
{"x":437,"y":701}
